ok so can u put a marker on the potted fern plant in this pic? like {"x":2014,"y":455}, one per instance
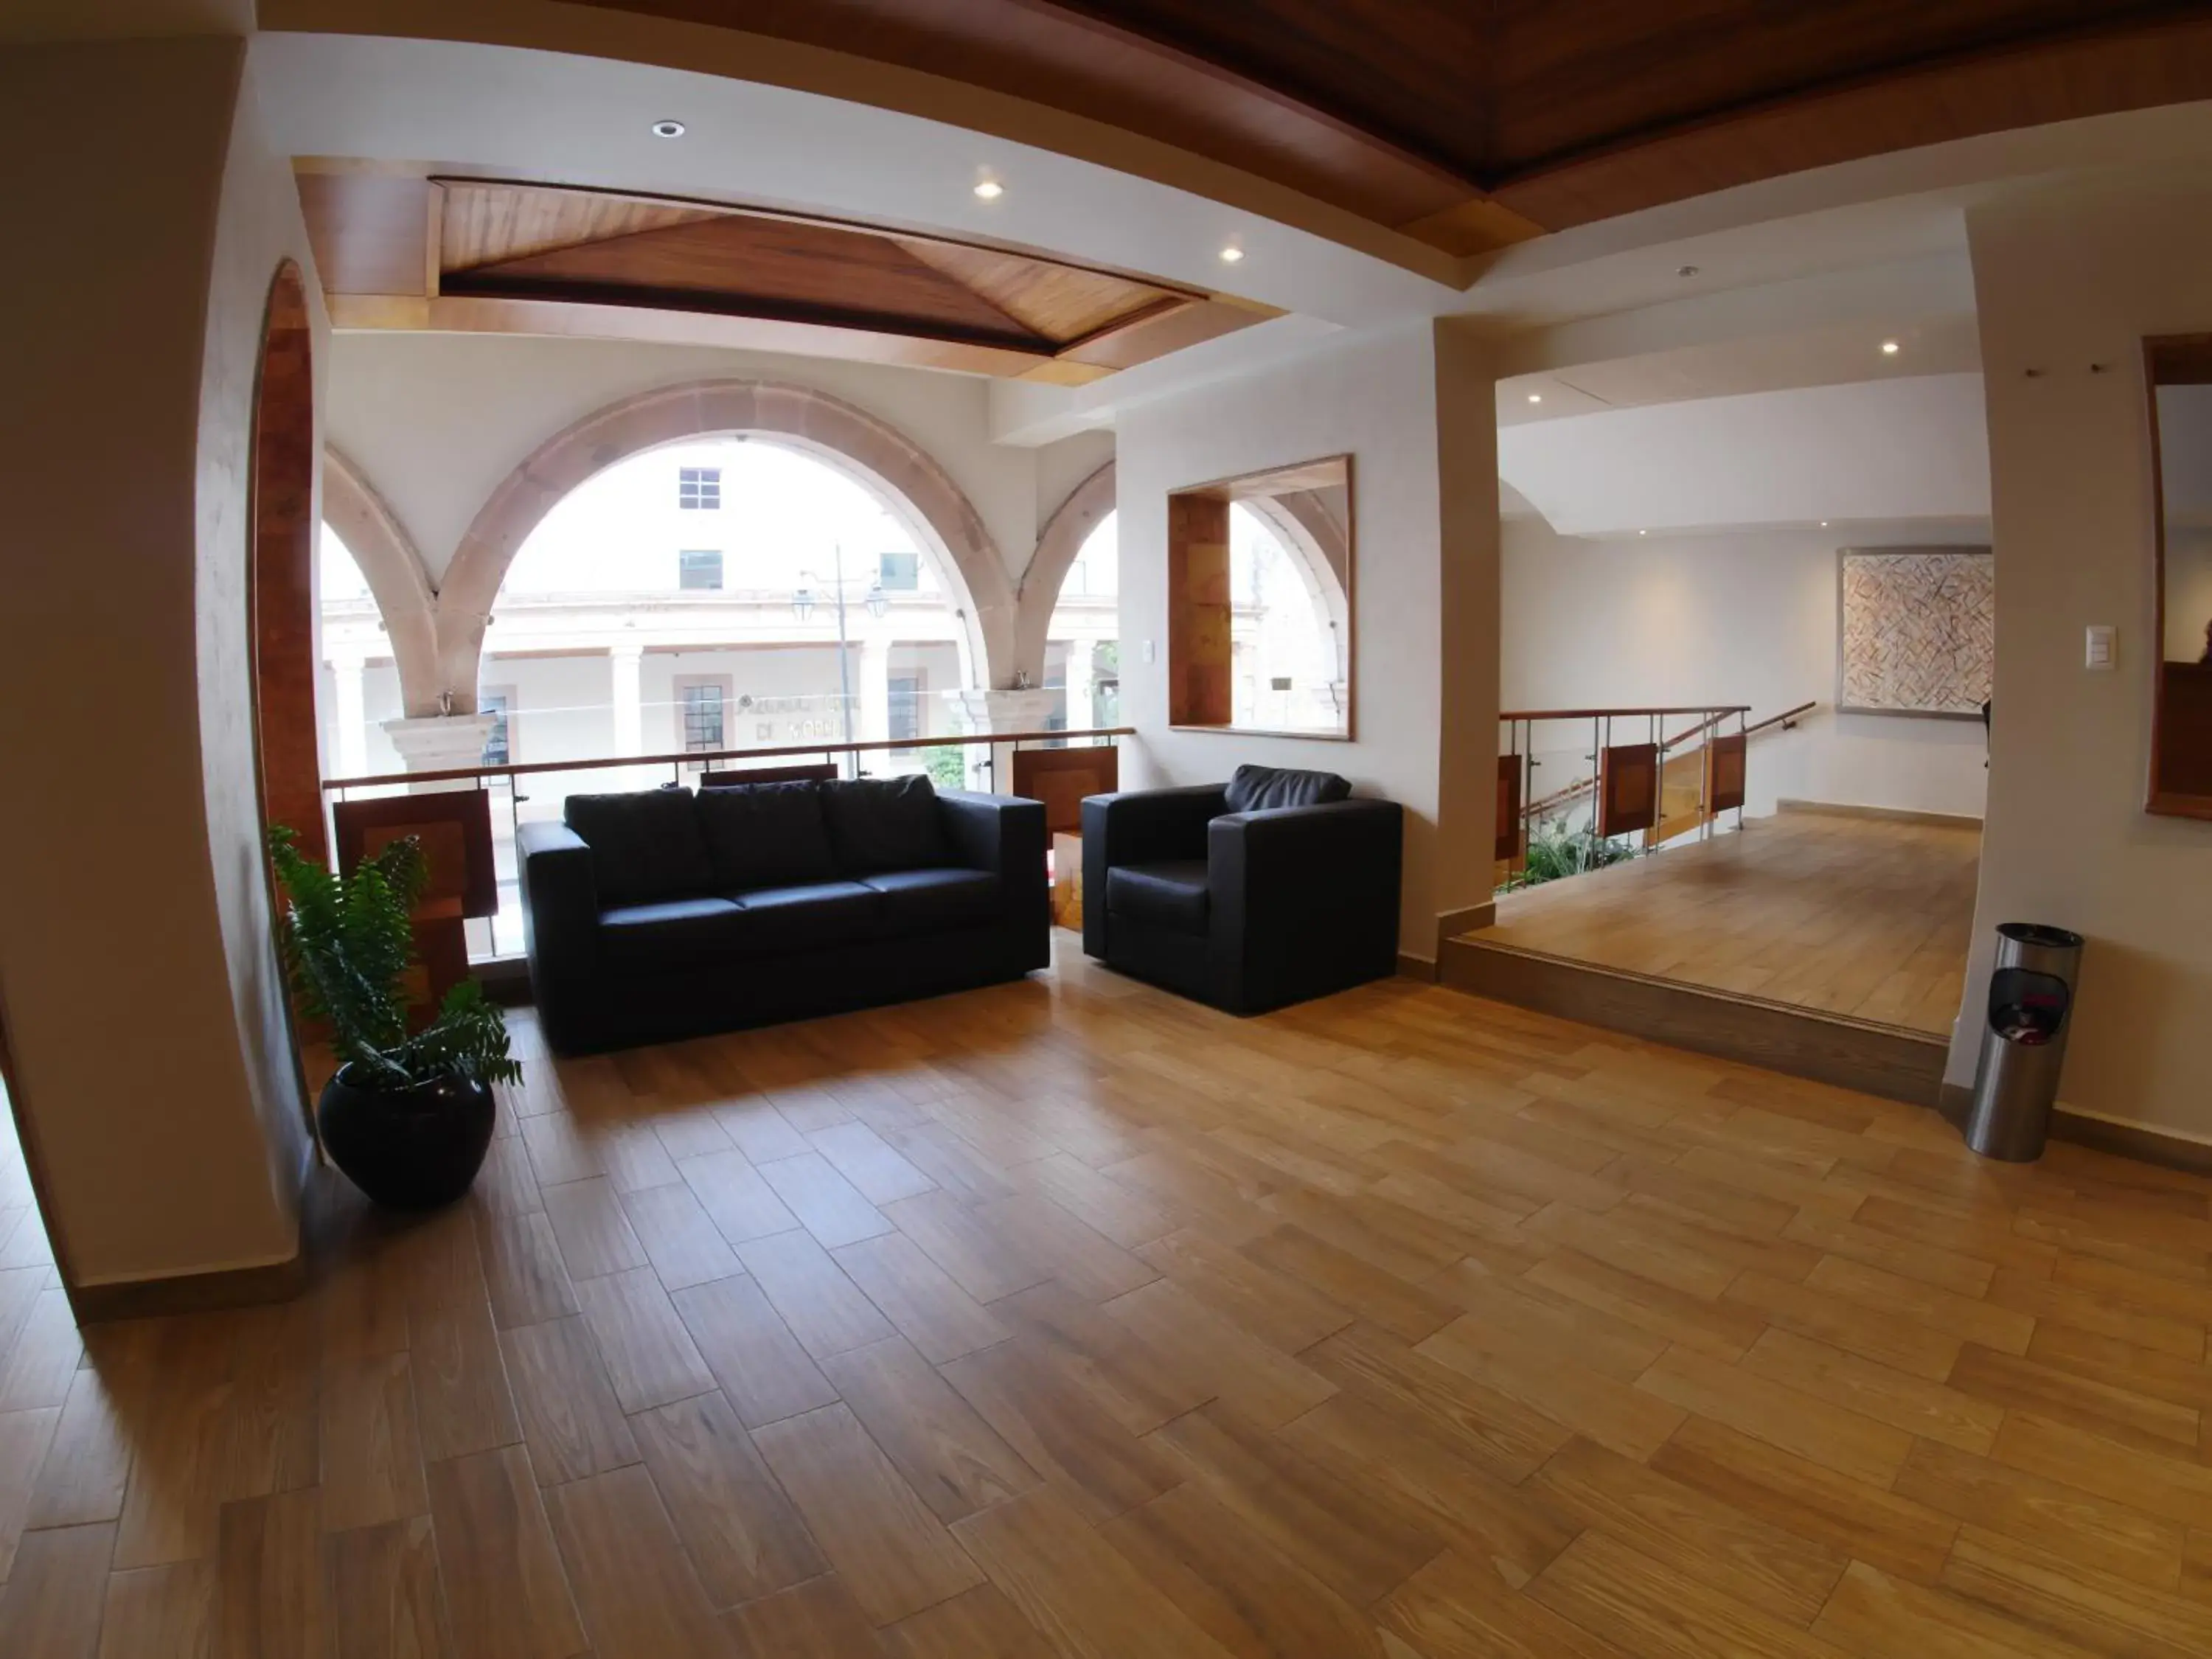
{"x":408,"y":1116}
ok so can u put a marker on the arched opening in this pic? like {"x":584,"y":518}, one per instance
{"x":359,"y":680}
{"x":281,"y":591}
{"x":1289,"y":654}
{"x":1082,"y":646}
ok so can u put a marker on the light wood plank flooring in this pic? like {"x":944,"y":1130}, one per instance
{"x":1067,"y":1318}
{"x":1850,"y":915}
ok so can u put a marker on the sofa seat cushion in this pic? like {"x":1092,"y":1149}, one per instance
{"x":1265,"y":788}
{"x":811,"y":916}
{"x":766,"y":835}
{"x":935,"y":900}
{"x":646,"y":845}
{"x":883,"y":824}
{"x":651,"y":939}
{"x":1170,"y":894}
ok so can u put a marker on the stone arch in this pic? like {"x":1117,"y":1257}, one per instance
{"x":918,"y":491}
{"x":394,"y":573}
{"x":1085,"y":508}
{"x":1321,"y":551}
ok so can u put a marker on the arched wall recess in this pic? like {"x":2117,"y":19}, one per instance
{"x":909,"y":482}
{"x":394,"y":573}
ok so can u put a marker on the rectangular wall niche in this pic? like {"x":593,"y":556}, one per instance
{"x":1260,"y":602}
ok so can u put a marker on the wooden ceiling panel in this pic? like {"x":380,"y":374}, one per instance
{"x":1469,"y":124}
{"x":370,"y":232}
{"x":485,"y":224}
{"x":1062,"y":303}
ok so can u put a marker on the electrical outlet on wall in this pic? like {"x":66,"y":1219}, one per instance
{"x":2098,"y":652}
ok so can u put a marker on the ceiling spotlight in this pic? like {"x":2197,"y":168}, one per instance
{"x":1824,"y":523}
{"x":1232,"y":254}
{"x":668,"y":129}
{"x":1642,"y":533}
{"x":1535,"y":397}
{"x":1889,"y":348}
{"x":990,"y":189}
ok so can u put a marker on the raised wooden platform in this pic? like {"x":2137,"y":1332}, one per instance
{"x":1889,"y":1061}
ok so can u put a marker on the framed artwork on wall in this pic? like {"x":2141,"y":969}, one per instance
{"x":1915,"y":631}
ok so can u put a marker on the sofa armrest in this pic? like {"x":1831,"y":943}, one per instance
{"x":1301,"y":893}
{"x":1004,"y":834}
{"x":1139,"y":826}
{"x":559,"y":900}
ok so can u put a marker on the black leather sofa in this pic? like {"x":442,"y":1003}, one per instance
{"x":665,"y":914}
{"x":1266,"y":890}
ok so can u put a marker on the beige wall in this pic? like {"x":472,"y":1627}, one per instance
{"x":2067,"y":284}
{"x":500,"y":396}
{"x":1747,"y":616}
{"x":135,"y":968}
{"x":1425,"y":529}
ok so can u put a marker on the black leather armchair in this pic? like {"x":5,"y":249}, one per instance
{"x":1249,"y":909}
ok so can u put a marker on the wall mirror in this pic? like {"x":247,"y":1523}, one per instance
{"x":2181,"y":375}
{"x":1260,"y":598}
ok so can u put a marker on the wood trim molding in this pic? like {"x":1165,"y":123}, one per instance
{"x":2099,"y":1134}
{"x":1450,"y":924}
{"x":899,"y":471}
{"x":191,"y":1293}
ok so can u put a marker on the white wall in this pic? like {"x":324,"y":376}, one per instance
{"x":153,"y":1073}
{"x":2068,"y":281}
{"x":1747,"y":616}
{"x":497,"y":398}
{"x":1377,"y":398}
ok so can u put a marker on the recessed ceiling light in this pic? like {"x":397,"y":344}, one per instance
{"x":1535,"y":397}
{"x":1889,"y":348}
{"x":1232,"y":254}
{"x":1642,"y":533}
{"x":1824,"y":523}
{"x":990,"y":189}
{"x":668,"y":129}
{"x":1685,"y":271}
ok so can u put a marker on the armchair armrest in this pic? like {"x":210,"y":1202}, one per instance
{"x":1301,"y":894}
{"x":1139,"y":826}
{"x":1003,"y":834}
{"x":559,"y":900}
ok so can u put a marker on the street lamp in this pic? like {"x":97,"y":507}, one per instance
{"x":803,"y":602}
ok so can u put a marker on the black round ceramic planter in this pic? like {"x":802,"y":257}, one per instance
{"x":408,"y":1149}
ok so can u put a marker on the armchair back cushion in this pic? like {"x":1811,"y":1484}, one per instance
{"x":883,"y":824}
{"x":766,"y":835}
{"x":1262,"y":788}
{"x":647,"y":845}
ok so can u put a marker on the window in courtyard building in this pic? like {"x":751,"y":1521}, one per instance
{"x":702,"y":702}
{"x":905,"y":710}
{"x":699,"y":567}
{"x":898,"y":573}
{"x":499,"y":742}
{"x":1084,"y":654}
{"x":699,"y":487}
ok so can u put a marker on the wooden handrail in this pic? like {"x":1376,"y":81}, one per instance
{"x":1620,"y":714}
{"x":700,"y":757}
{"x":1787,"y":717}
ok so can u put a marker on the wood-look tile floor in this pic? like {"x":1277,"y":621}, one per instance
{"x":1867,"y":917}
{"x":1067,"y":1318}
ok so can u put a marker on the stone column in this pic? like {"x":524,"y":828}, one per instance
{"x":349,"y":756}
{"x":628,"y":695}
{"x":441,"y":743}
{"x":976,"y":713}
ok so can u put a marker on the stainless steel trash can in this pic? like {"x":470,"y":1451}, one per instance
{"x":2023,"y":1041}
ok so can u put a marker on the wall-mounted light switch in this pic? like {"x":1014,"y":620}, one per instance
{"x":2098,"y":650}
{"x":1148,"y":651}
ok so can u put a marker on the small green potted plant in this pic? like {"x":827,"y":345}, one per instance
{"x":408,"y":1117}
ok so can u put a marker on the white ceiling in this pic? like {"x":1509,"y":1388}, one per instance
{"x":1910,"y":448}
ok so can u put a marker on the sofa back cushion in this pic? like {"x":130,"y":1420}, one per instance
{"x":883,"y":824}
{"x":646,"y":845}
{"x":766,"y":835}
{"x":1260,"y":788}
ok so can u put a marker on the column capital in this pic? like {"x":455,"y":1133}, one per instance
{"x":439,"y":742}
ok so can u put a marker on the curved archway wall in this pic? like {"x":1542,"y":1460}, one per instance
{"x":905,"y":477}
{"x":1313,"y":531}
{"x":394,"y":570}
